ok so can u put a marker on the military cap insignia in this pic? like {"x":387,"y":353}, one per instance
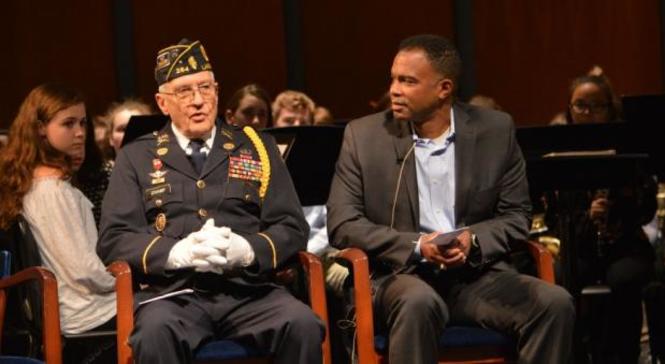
{"x":204,"y":54}
{"x":184,"y":58}
{"x":163,"y":60}
{"x":192,"y":62}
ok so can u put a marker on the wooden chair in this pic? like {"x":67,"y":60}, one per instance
{"x":458,"y":344}
{"x":221,"y":351}
{"x":49,"y":309}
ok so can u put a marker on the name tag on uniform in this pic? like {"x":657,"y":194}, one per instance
{"x":157,"y":191}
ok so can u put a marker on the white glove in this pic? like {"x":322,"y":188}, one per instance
{"x":335,"y":276}
{"x":190,"y":252}
{"x":239,"y":253}
{"x":212,"y":236}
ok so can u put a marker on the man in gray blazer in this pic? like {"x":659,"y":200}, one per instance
{"x":430,"y":166}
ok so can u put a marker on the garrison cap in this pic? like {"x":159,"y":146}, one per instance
{"x":182,"y":59}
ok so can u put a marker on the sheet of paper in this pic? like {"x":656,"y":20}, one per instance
{"x":167,"y":295}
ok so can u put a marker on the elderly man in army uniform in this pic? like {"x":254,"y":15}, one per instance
{"x":203,"y":212}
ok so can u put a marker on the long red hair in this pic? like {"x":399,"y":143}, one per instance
{"x":27,"y":149}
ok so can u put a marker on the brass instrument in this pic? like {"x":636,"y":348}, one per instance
{"x":660,"y":215}
{"x":660,"y":211}
{"x":538,"y":226}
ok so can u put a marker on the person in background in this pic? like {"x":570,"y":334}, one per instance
{"x":484,"y":101}
{"x":102,"y":138}
{"x":293,"y":108}
{"x":51,"y":149}
{"x":323,"y":116}
{"x":592,"y":100}
{"x":612,"y":248}
{"x":250,"y":105}
{"x":117,"y":117}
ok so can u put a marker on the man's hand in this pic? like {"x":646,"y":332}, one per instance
{"x":233,"y":248}
{"x":239,"y":253}
{"x":188,"y":253}
{"x":450,"y":256}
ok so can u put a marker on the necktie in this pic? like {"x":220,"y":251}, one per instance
{"x":198,"y":158}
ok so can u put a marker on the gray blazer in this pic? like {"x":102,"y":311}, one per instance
{"x":370,"y":207}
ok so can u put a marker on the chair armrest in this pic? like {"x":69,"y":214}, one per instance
{"x":317,"y":294}
{"x":124,"y":307}
{"x":50,"y":308}
{"x":363,"y":300}
{"x":543,"y":259}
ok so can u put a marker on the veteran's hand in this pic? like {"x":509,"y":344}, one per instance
{"x":188,"y":253}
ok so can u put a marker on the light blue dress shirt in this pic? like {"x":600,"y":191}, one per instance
{"x":435,"y":170}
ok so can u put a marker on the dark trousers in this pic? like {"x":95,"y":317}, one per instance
{"x":267,"y":318}
{"x":539,"y":314}
{"x":615,"y":321}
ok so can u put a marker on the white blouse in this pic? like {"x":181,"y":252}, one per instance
{"x":60,"y":218}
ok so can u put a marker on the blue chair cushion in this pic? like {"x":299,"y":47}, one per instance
{"x":18,"y":360}
{"x":460,"y":337}
{"x":225,"y":350}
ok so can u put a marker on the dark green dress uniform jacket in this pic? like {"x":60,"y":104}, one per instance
{"x":137,"y":205}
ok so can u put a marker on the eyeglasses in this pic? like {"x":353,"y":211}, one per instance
{"x":187,"y":93}
{"x":582,"y":107}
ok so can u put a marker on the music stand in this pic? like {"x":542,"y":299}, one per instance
{"x":643,"y":108}
{"x":310,"y":153}
{"x":569,"y":173}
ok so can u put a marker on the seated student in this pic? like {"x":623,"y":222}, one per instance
{"x":608,"y":231}
{"x":50,"y":148}
{"x":117,"y":117}
{"x":250,"y":105}
{"x":293,"y":108}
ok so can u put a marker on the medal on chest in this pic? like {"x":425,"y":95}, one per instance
{"x":245,"y":167}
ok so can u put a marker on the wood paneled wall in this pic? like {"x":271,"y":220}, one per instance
{"x":526,"y":52}
{"x":349,"y":46}
{"x":50,"y":41}
{"x":243,"y":38}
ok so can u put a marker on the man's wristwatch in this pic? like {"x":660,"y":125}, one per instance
{"x":475,"y":257}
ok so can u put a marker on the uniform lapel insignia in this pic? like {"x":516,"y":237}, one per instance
{"x":157,"y":174}
{"x":226,"y":133}
{"x":228,"y":146}
{"x":162,"y":151}
{"x":160,"y":222}
{"x":162,"y":139}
